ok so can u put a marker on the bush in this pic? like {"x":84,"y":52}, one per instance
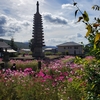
{"x":24,"y":64}
{"x":48,"y":53}
{"x":59,"y":53}
{"x":13,"y":54}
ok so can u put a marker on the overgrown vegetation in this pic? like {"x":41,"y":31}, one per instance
{"x":69,"y":78}
{"x":92,"y":69}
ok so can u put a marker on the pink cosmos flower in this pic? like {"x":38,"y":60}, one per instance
{"x":70,"y":79}
{"x":61,"y":78}
{"x":41,"y":74}
{"x":28,"y":70}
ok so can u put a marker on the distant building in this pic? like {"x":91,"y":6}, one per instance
{"x":53,"y":50}
{"x":25,"y":51}
{"x":70,"y":48}
{"x":3,"y":47}
{"x":9,"y":50}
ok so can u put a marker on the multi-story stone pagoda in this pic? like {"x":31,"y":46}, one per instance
{"x":38,"y":38}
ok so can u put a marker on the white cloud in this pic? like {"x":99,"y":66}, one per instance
{"x":54,"y":19}
{"x":16,"y":19}
{"x":67,"y":6}
{"x":11,"y":27}
{"x":77,"y":38}
{"x":54,"y":41}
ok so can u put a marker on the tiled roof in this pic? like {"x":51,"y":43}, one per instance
{"x":4,"y":45}
{"x":10,"y":50}
{"x":70,"y":44}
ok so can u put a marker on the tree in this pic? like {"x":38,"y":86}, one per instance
{"x":93,"y":29}
{"x":13,"y":45}
{"x":31,"y":44}
{"x":92,"y":74}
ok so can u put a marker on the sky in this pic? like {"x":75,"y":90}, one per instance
{"x":58,"y":17}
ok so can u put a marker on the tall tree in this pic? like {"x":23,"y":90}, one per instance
{"x":13,"y":45}
{"x":30,"y":44}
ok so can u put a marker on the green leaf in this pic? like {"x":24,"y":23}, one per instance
{"x":87,"y":34}
{"x":96,"y":7}
{"x":74,"y":3}
{"x":79,"y":19}
{"x":85,"y":16}
{"x":76,"y":12}
{"x":93,"y":86}
{"x":98,"y":20}
{"x":89,"y":28}
{"x":94,"y":46}
{"x":93,"y":7}
{"x":97,"y":37}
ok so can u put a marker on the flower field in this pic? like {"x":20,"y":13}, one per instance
{"x":68,"y":78}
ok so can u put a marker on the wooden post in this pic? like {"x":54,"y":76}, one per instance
{"x":6,"y":58}
{"x":39,"y":64}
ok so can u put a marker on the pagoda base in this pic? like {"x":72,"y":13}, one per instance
{"x":37,"y":53}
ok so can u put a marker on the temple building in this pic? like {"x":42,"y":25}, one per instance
{"x":38,"y":38}
{"x":3,"y":47}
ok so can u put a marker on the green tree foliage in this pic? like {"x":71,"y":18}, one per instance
{"x":30,"y":44}
{"x":93,"y":29}
{"x":92,"y":74}
{"x":13,"y":45}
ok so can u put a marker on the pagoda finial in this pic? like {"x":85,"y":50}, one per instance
{"x":37,"y":7}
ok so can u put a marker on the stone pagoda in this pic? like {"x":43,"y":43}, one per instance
{"x":38,"y":38}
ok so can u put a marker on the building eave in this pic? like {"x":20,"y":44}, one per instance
{"x":69,"y":44}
